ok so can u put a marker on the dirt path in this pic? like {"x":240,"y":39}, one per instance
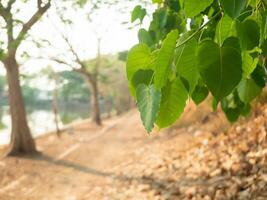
{"x":78,"y":166}
{"x":116,"y":161}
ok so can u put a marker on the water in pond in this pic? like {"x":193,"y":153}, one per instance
{"x":40,"y":121}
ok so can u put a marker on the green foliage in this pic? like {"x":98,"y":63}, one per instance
{"x":2,"y":84}
{"x":224,"y":29}
{"x":221,"y":50}
{"x":122,"y":56}
{"x":186,"y":64}
{"x":164,"y":59}
{"x":233,"y":107}
{"x":220,"y":67}
{"x":74,"y":87}
{"x":139,"y":57}
{"x":138,"y":13}
{"x":248,"y":90}
{"x":200,"y":93}
{"x":194,"y":7}
{"x":30,"y":94}
{"x":233,"y":8}
{"x":249,"y":64}
{"x":174,"y":97}
{"x":145,"y":37}
{"x":3,"y":93}
{"x":249,"y":34}
{"x":156,"y":1}
{"x":148,"y":98}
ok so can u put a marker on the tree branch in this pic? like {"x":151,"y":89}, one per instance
{"x":35,"y":18}
{"x":39,"y":4}
{"x":198,"y":30}
{"x":65,"y":38}
{"x":8,"y":18}
{"x":61,"y":62}
{"x":9,"y":4}
{"x":82,"y":70}
{"x":77,"y":58}
{"x":78,"y":70}
{"x":2,"y":11}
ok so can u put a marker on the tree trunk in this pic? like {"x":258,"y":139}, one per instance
{"x":21,"y":139}
{"x":95,"y":109}
{"x":108,"y":106}
{"x":55,"y":109}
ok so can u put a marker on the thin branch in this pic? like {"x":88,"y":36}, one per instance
{"x":77,"y":58}
{"x":35,"y":18}
{"x":98,"y":57}
{"x":39,"y":4}
{"x":198,"y":30}
{"x":82,"y":70}
{"x":9,"y":4}
{"x":65,"y":38}
{"x":57,"y":60}
{"x":8,"y":18}
{"x":90,"y":76}
{"x":2,"y":11}
{"x":78,"y":70}
{"x":63,"y":62}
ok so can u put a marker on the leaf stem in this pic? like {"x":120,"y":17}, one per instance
{"x":190,"y":37}
{"x":150,"y":82}
{"x":198,"y":30}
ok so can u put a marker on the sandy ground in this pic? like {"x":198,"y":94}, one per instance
{"x":71,"y":166}
{"x":86,"y":160}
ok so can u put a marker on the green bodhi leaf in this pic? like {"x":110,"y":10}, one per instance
{"x":233,"y":8}
{"x":148,"y":102}
{"x":221,"y":51}
{"x":165,"y":58}
{"x":233,"y":107}
{"x":157,"y":1}
{"x":220,"y":67}
{"x":142,"y":77}
{"x":248,"y":33}
{"x":139,"y":58}
{"x":138,"y":13}
{"x":224,"y":29}
{"x":259,"y":76}
{"x":186,"y":64}
{"x":174,"y":97}
{"x":200,"y":94}
{"x":194,"y":7}
{"x":145,"y":37}
{"x":249,"y":64}
{"x":248,"y":90}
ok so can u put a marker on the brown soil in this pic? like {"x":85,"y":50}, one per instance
{"x":120,"y":161}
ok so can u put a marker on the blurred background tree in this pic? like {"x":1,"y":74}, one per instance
{"x":21,"y":139}
{"x":24,"y":41}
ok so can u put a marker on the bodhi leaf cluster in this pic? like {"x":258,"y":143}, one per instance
{"x":192,"y":48}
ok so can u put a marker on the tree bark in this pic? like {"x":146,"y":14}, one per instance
{"x":21,"y":139}
{"x":55,"y":110}
{"x":95,"y":108}
{"x":108,"y":106}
